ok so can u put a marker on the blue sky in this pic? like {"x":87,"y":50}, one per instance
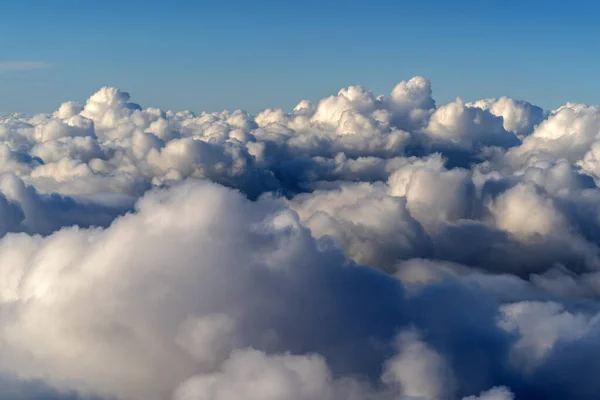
{"x":211,"y":55}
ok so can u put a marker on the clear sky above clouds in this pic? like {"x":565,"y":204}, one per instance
{"x":211,"y":55}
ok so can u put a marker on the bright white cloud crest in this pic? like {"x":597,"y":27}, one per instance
{"x":363,"y":247}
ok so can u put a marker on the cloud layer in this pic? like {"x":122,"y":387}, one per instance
{"x":364,"y":248}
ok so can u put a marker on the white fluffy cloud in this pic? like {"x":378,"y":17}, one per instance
{"x":519,"y":117}
{"x":361,"y":247}
{"x":419,"y":371}
{"x":497,"y":393}
{"x":541,"y":326}
{"x":461,"y":125}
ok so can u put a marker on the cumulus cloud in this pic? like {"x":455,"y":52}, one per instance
{"x":519,"y":117}
{"x":419,"y":371}
{"x":361,"y":247}
{"x":461,"y":125}
{"x":497,"y":393}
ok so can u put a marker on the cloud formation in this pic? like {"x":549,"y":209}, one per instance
{"x":364,"y":247}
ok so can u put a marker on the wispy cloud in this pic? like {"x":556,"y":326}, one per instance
{"x":18,"y":66}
